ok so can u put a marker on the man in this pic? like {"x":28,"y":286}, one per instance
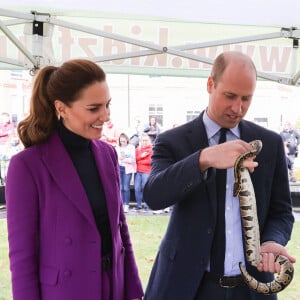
{"x":291,"y":139}
{"x":137,"y":131}
{"x":183,"y":174}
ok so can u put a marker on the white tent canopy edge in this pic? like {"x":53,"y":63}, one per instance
{"x":35,"y":57}
{"x":256,"y":12}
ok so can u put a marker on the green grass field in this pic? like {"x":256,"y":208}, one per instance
{"x":146,"y":234}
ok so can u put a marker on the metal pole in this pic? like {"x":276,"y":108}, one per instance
{"x":128,"y":100}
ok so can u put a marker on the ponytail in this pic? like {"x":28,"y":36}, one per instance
{"x":42,"y":119}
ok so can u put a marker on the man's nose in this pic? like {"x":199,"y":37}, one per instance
{"x":237,"y":106}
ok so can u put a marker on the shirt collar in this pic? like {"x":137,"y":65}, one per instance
{"x":212,"y":127}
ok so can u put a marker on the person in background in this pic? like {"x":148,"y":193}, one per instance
{"x":8,"y":144}
{"x":153,"y":130}
{"x":67,"y":232}
{"x":204,"y":226}
{"x":137,"y":131}
{"x":6,"y":128}
{"x":288,"y":160}
{"x":110,"y":133}
{"x":143,"y":155}
{"x":139,"y":125}
{"x":127,"y":162}
{"x":291,"y":139}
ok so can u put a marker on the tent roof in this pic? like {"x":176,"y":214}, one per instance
{"x":255,"y":12}
{"x":205,"y":29}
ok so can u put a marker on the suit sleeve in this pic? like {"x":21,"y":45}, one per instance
{"x":174,"y":174}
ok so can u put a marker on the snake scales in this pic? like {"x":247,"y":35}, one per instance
{"x":243,"y":188}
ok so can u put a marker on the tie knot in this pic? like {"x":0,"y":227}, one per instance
{"x":223,"y":132}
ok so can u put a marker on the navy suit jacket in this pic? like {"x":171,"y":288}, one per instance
{"x":176,"y":179}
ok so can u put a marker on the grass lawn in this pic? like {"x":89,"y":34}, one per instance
{"x":146,"y":233}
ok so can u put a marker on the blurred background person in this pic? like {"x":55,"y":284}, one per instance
{"x":110,"y":133}
{"x":6,"y":128}
{"x":153,"y":130}
{"x":143,"y":155}
{"x":291,"y":138}
{"x":127,"y":162}
{"x":137,"y":130}
{"x":8,"y":143}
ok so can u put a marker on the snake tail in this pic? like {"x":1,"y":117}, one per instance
{"x":280,"y":282}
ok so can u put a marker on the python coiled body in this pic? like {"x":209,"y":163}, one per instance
{"x":243,"y":188}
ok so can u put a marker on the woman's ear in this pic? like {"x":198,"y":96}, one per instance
{"x":60,"y":108}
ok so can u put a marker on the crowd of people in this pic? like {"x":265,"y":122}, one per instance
{"x":135,"y":166}
{"x":291,"y":139}
{"x":9,"y":143}
{"x":134,"y":151}
{"x":134,"y":156}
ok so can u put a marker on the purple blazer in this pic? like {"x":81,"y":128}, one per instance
{"x":54,"y":244}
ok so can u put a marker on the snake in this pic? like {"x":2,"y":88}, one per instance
{"x":243,"y":189}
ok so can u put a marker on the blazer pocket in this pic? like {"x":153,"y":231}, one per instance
{"x":48,"y":275}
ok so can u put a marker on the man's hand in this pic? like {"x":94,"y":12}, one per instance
{"x":223,"y":156}
{"x":269,"y":250}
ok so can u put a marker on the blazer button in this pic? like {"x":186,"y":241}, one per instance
{"x":67,"y":273}
{"x":209,"y":231}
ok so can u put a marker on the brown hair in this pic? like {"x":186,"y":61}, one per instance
{"x":125,"y":136}
{"x":224,"y":59}
{"x":64,"y":83}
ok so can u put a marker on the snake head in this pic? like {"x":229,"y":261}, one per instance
{"x":256,"y":146}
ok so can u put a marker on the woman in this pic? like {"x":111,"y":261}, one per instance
{"x":110,"y":133}
{"x":126,"y":155}
{"x":68,"y":237}
{"x":153,"y":130}
{"x":143,"y":155}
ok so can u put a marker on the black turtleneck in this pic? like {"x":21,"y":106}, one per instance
{"x":84,"y":162}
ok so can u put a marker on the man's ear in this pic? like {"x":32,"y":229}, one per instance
{"x":210,"y":84}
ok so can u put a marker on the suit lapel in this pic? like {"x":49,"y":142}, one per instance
{"x":64,"y":174}
{"x":198,"y":139}
{"x":197,"y":134}
{"x":246,"y":133}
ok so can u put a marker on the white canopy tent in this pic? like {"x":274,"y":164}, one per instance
{"x":152,"y":37}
